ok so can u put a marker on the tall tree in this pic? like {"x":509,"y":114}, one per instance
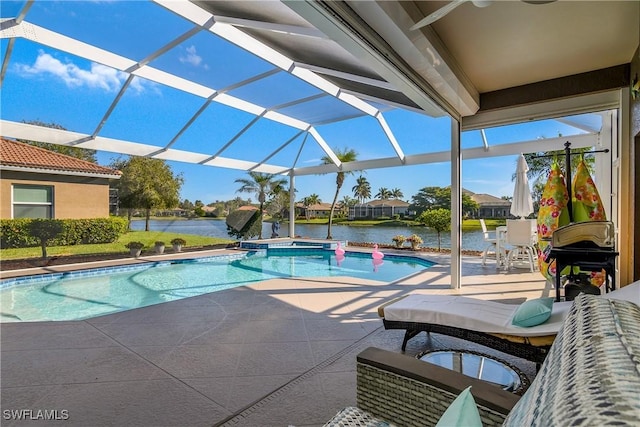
{"x":346,"y":203}
{"x":147,"y":184}
{"x":345,"y":156}
{"x":362,"y":189}
{"x":438,"y":219}
{"x":77,"y":152}
{"x":440,"y":198}
{"x":397,"y":194}
{"x":186,"y":205}
{"x":383,"y":193}
{"x":278,"y":202}
{"x":311,"y":200}
{"x":262,"y":185}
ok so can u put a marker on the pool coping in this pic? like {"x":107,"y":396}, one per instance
{"x":43,"y":274}
{"x":9,"y":274}
{"x":434,"y":257}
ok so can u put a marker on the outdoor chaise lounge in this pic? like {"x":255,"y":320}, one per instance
{"x":590,"y":377}
{"x":484,"y":322}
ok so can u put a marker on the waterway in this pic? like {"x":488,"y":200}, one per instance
{"x":471,"y":240}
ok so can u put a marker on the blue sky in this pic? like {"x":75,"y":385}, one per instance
{"x":55,"y":87}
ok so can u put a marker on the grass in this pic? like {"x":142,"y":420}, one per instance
{"x":150,"y":237}
{"x":147,"y":237}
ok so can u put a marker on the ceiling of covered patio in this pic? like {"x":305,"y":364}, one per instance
{"x":318,"y":65}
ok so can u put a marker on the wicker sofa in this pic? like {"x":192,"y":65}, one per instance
{"x":590,"y":377}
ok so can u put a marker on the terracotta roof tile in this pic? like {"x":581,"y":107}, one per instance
{"x":13,"y":153}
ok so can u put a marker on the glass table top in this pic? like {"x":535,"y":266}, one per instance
{"x":477,"y":365}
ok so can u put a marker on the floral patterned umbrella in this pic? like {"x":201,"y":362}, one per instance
{"x":553,"y":213}
{"x":587,"y":206}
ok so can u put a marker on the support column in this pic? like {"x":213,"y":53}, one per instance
{"x":292,"y":205}
{"x":456,"y":206}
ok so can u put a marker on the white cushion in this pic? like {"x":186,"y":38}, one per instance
{"x":472,"y":314}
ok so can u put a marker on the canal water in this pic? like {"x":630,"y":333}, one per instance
{"x":471,"y":240}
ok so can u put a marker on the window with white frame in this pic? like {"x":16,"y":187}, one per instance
{"x":32,"y":201}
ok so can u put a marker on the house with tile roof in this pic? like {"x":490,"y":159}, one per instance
{"x":38,"y":183}
{"x":378,"y":208}
{"x":491,"y":206}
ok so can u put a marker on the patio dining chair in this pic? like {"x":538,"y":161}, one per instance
{"x":491,"y":239}
{"x":521,"y":235}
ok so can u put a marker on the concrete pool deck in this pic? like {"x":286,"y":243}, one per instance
{"x":275,"y":353}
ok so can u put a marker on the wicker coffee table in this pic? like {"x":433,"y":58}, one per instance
{"x":480,"y":366}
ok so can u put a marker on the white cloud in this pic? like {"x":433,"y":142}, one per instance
{"x":316,"y":161}
{"x":98,"y":76}
{"x":191,"y":57}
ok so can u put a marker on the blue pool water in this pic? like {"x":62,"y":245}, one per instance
{"x":86,"y":294}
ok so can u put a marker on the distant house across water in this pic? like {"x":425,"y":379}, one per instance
{"x":379,"y":208}
{"x":319,"y":210}
{"x":38,"y":183}
{"x":490,"y":206}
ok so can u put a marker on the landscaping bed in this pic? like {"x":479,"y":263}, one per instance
{"x":18,"y":264}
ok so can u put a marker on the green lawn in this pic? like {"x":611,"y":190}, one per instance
{"x":147,"y":237}
{"x":150,"y":237}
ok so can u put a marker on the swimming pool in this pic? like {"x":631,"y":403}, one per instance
{"x":90,"y":293}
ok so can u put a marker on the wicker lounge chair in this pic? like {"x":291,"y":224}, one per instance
{"x":484,"y":322}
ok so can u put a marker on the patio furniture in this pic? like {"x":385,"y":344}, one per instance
{"x":491,"y":239}
{"x":479,"y":365}
{"x":592,"y":374}
{"x":522,"y":236}
{"x":484,"y":322}
{"x":587,"y":245}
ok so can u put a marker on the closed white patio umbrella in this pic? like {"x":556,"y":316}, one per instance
{"x":522,"y":203}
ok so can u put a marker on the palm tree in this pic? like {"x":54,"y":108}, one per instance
{"x":345,"y":156}
{"x":262,"y":185}
{"x":362,"y":189}
{"x":383,"y":193}
{"x":396,"y":193}
{"x":311,"y":200}
{"x":346,"y":203}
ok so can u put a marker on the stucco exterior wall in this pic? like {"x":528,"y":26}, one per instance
{"x":73,"y":197}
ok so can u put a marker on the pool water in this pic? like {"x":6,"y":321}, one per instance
{"x":86,"y":294}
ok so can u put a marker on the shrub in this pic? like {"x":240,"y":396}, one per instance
{"x":134,"y":245}
{"x":14,"y":233}
{"x":45,"y":230}
{"x":159,"y":243}
{"x":178,"y":241}
{"x":399,"y":240}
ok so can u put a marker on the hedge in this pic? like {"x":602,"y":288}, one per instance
{"x":14,"y":233}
